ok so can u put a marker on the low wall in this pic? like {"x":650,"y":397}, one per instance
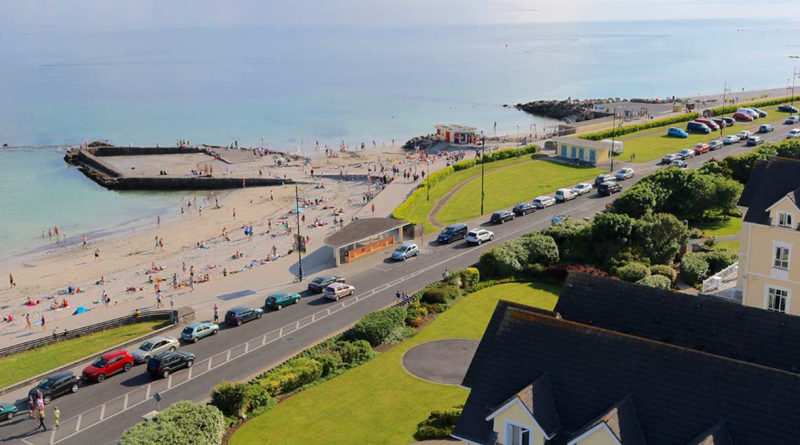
{"x":194,"y":183}
{"x":141,"y":151}
{"x":86,"y":159}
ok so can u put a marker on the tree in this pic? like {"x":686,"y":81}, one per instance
{"x":726,"y":193}
{"x":505,"y":260}
{"x":694,"y":268}
{"x":183,"y":423}
{"x":611,"y":233}
{"x":636,"y":202}
{"x":231,"y":398}
{"x":657,"y":281}
{"x":541,"y":249}
{"x":660,"y":237}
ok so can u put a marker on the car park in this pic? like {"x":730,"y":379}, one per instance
{"x":731,"y":139}
{"x":166,"y":363}
{"x":242,"y":314}
{"x":744,"y":134}
{"x":107,"y":365}
{"x":501,"y":216}
{"x":623,"y":174}
{"x":698,"y":127}
{"x":715,"y":144}
{"x":452,"y":233}
{"x":709,"y":123}
{"x":338,"y":290}
{"x":701,"y":148}
{"x":153,"y":347}
{"x":198,"y":330}
{"x":743,"y":117}
{"x":729,"y":121}
{"x":794,"y":133}
{"x":609,"y":188}
{"x":766,"y":128}
{"x":56,"y":385}
{"x":602,"y":178}
{"x":280,"y":300}
{"x":7,"y":411}
{"x":792,"y":120}
{"x":761,"y":113}
{"x":677,"y":132}
{"x":686,"y":153}
{"x":479,"y":236}
{"x":582,"y":188}
{"x":787,"y":109}
{"x":541,"y":202}
{"x":564,"y":195}
{"x":679,"y":163}
{"x":405,"y":250}
{"x":522,"y":209}
{"x":666,"y":159}
{"x":321,"y":282}
{"x":752,"y":141}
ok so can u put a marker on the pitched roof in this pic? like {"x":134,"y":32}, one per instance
{"x":703,"y":323}
{"x":679,"y":393}
{"x":769,"y":181}
{"x":716,"y":435}
{"x":362,"y":229}
{"x":621,"y":419}
{"x":538,"y":399}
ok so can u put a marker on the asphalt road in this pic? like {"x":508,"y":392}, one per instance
{"x":99,"y":413}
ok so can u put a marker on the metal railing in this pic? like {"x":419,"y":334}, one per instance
{"x":714,"y":282}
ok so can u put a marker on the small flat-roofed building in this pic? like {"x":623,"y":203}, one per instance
{"x":457,"y":134}
{"x":585,"y":150}
{"x":367,"y":235}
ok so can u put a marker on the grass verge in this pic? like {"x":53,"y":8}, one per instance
{"x":379,"y":402}
{"x":726,"y":227}
{"x":21,"y":366}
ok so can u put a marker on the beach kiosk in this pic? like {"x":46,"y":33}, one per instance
{"x":367,"y":235}
{"x":584,"y":150}
{"x":457,"y":134}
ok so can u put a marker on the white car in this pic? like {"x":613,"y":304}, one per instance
{"x":564,"y":195}
{"x":625,"y":173}
{"x":541,"y":202}
{"x":794,"y":133}
{"x":744,"y":135}
{"x":731,"y":139}
{"x":582,"y":188}
{"x":685,"y":154}
{"x":153,"y":347}
{"x":667,"y":159}
{"x":478,"y":236}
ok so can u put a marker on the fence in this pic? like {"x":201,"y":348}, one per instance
{"x":715,"y":281}
{"x":97,"y":327}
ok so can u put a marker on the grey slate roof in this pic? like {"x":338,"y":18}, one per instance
{"x":363,"y":229}
{"x":769,"y":181}
{"x":697,"y":322}
{"x":716,"y":435}
{"x":678,"y":393}
{"x":538,"y":398}
{"x":621,"y":419}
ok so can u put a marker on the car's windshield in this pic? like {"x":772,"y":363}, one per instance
{"x":146,"y":346}
{"x":271,"y":299}
{"x":188,"y":330}
{"x":401,"y":249}
{"x":447,"y":231}
{"x":318,"y":280}
{"x":46,"y":383}
{"x":99,"y":363}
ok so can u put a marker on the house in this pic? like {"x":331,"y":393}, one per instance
{"x":457,"y":134}
{"x":769,"y":265}
{"x":540,"y":377}
{"x":585,"y":150}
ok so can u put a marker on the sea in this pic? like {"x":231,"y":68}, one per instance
{"x":223,"y":72}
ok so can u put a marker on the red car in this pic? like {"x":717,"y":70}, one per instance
{"x":701,"y":148}
{"x":711,"y":124}
{"x":743,"y":117}
{"x":108,"y":364}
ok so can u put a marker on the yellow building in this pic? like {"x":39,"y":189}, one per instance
{"x":769,"y":257}
{"x":585,"y":150}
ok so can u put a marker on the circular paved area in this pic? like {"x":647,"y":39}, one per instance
{"x":441,"y":361}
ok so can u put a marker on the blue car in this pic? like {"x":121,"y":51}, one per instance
{"x":677,"y":132}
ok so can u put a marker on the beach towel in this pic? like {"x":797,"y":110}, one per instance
{"x":80,"y":310}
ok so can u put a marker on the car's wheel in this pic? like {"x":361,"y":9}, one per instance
{"x":46,"y":399}
{"x":100,"y":377}
{"x":10,"y":416}
{"x":146,"y":358}
{"x":491,"y":237}
{"x":416,"y":253}
{"x":172,"y":348}
{"x":336,"y":298}
{"x":259,"y":315}
{"x":214,"y":332}
{"x":480,"y":241}
{"x":238,"y":322}
{"x":278,"y":307}
{"x":165,"y":373}
{"x":352,"y":291}
{"x":127,"y":367}
{"x":189,"y":363}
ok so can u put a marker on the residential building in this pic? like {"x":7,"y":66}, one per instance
{"x":594,"y":152}
{"x":769,"y":265}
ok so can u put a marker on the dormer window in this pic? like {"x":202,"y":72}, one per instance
{"x":785,"y":219}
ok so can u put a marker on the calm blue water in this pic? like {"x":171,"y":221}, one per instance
{"x":214,"y":72}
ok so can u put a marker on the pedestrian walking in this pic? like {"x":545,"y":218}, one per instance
{"x":216,"y":313}
{"x":28,"y":321}
{"x":398,"y":295}
{"x":105,"y":298}
{"x":41,"y":420}
{"x":11,"y":280}
{"x":31,"y":407}
{"x":56,"y":417}
{"x":159,"y":303}
{"x":42,"y":322}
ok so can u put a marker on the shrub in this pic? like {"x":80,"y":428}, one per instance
{"x":183,"y":423}
{"x":657,"y":281}
{"x":291,"y":375}
{"x":664,"y":271}
{"x":330,"y":362}
{"x":354,"y":353}
{"x":633,"y":272}
{"x":719,"y":259}
{"x":536,"y":270}
{"x":231,"y":398}
{"x":440,"y":294}
{"x":541,"y":248}
{"x":439,"y":424}
{"x":559,"y":272}
{"x":398,"y":334}
{"x":415,"y":314}
{"x":509,"y":153}
{"x":260,"y":400}
{"x":376,"y":326}
{"x":627,"y":129}
{"x":505,"y":260}
{"x":470,"y":277}
{"x":694,"y":268}
{"x":463,"y":165}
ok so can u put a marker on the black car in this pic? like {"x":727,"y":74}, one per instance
{"x":242,"y":314}
{"x":167,"y":362}
{"x":787,"y":109}
{"x":608,"y":188}
{"x":501,"y":216}
{"x":318,"y":284}
{"x":729,"y":121}
{"x":452,"y":233}
{"x":56,"y":385}
{"x":523,"y":208}
{"x":602,"y":178}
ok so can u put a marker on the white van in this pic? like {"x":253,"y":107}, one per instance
{"x":749,"y":111}
{"x":564,"y":195}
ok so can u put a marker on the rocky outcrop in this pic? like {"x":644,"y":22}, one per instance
{"x":568,"y":110}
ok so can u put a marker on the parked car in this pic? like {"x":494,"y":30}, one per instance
{"x":321,"y":282}
{"x":787,"y":109}
{"x":501,"y":216}
{"x":792,"y":120}
{"x":686,"y":153}
{"x":242,"y":314}
{"x":721,"y":123}
{"x":564,"y":195}
{"x":405,"y":250}
{"x":166,"y":363}
{"x":582,"y":188}
{"x":744,"y":134}
{"x":731,"y":139}
{"x":56,"y":385}
{"x":7,"y":411}
{"x":729,"y":121}
{"x":281,"y":299}
{"x":107,"y":365}
{"x":452,"y":233}
{"x":153,"y":347}
{"x":609,"y":188}
{"x":698,"y":127}
{"x":709,"y":123}
{"x":794,"y":133}
{"x":752,"y":141}
{"x":701,"y":148}
{"x":742,"y":117}
{"x":678,"y":163}
{"x":667,"y":159}
{"x":623,"y":174}
{"x":541,"y":202}
{"x":522,"y":209}
{"x":715,"y":144}
{"x":602,"y":178}
{"x":761,"y":113}
{"x":766,"y":128}
{"x":677,"y":132}
{"x":749,"y":112}
{"x":198,"y":330}
{"x":478,"y":236}
{"x":338,"y":290}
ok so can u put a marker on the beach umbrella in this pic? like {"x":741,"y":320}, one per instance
{"x":79,"y":310}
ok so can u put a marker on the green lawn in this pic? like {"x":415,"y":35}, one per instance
{"x":379,"y":402}
{"x":28,"y":364}
{"x":512,"y":185}
{"x":732,"y":245}
{"x":730,"y":226}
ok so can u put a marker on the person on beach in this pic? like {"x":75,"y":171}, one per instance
{"x":234,"y":213}
{"x":11,"y":280}
{"x":43,"y":323}
{"x":216,"y":313}
{"x":96,"y":253}
{"x":28,"y":321}
{"x":159,"y":303}
{"x":85,"y":241}
{"x":158,"y":220}
{"x":105,"y":298}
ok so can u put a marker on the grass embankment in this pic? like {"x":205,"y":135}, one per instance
{"x":379,"y":402}
{"x":512,"y":185}
{"x":27,"y":364}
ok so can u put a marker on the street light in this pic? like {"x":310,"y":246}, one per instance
{"x":483,"y":153}
{"x":613,"y":135}
{"x":299,"y":254}
{"x":427,"y":179}
{"x":795,"y":73}
{"x":725,"y":90}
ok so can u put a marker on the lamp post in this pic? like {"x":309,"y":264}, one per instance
{"x":483,"y":153}
{"x":299,"y":255}
{"x":613,"y":135}
{"x":427,"y":179}
{"x":725,"y":90}
{"x":517,"y":133}
{"x":795,"y":73}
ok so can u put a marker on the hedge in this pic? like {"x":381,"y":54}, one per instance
{"x":559,"y":272}
{"x":376,"y":326}
{"x":234,"y":399}
{"x":290,"y":375}
{"x":439,"y":424}
{"x":664,"y":271}
{"x":694,"y":268}
{"x":627,"y":129}
{"x":182,"y":423}
{"x":440,"y":294}
{"x":633,"y":272}
{"x":728,"y":109}
{"x":657,"y":281}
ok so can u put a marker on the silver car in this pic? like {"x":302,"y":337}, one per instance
{"x":153,"y":347}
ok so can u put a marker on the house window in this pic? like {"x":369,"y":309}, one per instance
{"x":781,"y":257}
{"x":517,"y":435}
{"x":777,"y":299}
{"x":785,"y":219}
